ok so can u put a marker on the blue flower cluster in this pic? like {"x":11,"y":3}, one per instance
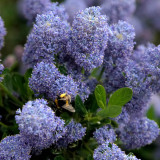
{"x":139,"y":133}
{"x":2,"y":33}
{"x":120,"y":46}
{"x":84,"y":44}
{"x":14,"y":147}
{"x":30,"y":8}
{"x":47,"y":80}
{"x":1,"y":70}
{"x":118,"y":9}
{"x":39,"y":125}
{"x":48,"y":37}
{"x":89,"y":38}
{"x":108,"y":151}
{"x":104,"y":134}
{"x":74,"y":132}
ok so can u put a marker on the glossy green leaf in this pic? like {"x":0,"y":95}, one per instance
{"x":59,"y":158}
{"x":79,"y":106}
{"x":100,"y":95}
{"x":120,"y":97}
{"x":91,"y":103}
{"x":110,"y":111}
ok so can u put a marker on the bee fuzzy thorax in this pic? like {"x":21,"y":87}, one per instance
{"x":63,"y":101}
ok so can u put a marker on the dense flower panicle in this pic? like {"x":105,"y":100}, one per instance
{"x":120,"y":46}
{"x":89,"y":38}
{"x":131,"y":157}
{"x":84,"y":85}
{"x":42,"y":77}
{"x":48,"y":81}
{"x":142,"y":75}
{"x":110,"y":152}
{"x":104,"y":134}
{"x":14,"y":147}
{"x":64,"y":84}
{"x":153,"y":54}
{"x":30,"y":8}
{"x":121,"y":40}
{"x":58,"y":10}
{"x":83,"y":90}
{"x":139,"y":133}
{"x":140,"y":69}
{"x":138,"y":105}
{"x":75,"y":132}
{"x":118,"y":9}
{"x":114,"y":75}
{"x":1,"y":70}
{"x":72,"y":7}
{"x":48,"y":37}
{"x":2,"y":33}
{"x":39,"y":125}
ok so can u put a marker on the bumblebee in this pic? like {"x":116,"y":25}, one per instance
{"x":64,"y":101}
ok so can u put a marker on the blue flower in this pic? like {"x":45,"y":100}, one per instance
{"x":2,"y":33}
{"x":118,"y":9}
{"x":108,"y":151}
{"x":138,"y":133}
{"x":1,"y":70}
{"x":75,"y":132}
{"x":89,"y":38}
{"x":47,"y":80}
{"x":104,"y":134}
{"x":38,"y":124}
{"x":14,"y":147}
{"x":30,"y":8}
{"x":48,"y":38}
{"x":120,"y":47}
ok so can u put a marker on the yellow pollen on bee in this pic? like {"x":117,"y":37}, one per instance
{"x":63,"y":95}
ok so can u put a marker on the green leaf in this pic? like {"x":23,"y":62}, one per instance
{"x":59,"y":158}
{"x":18,"y":84}
{"x":120,"y":97}
{"x":29,"y":92}
{"x":83,"y":71}
{"x":28,"y":74}
{"x":114,"y":124}
{"x":79,"y":106}
{"x":62,"y":70}
{"x":151,"y":113}
{"x":100,"y":95}
{"x":65,"y":116}
{"x":91,"y":103}
{"x":111,"y":111}
{"x":90,"y":157}
{"x":7,"y":81}
{"x":95,"y":71}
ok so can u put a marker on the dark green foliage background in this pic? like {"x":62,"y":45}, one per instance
{"x":17,"y":31}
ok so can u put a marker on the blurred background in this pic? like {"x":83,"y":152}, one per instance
{"x":147,"y":25}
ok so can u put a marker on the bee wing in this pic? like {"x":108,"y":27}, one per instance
{"x":63,"y":99}
{"x":68,"y":107}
